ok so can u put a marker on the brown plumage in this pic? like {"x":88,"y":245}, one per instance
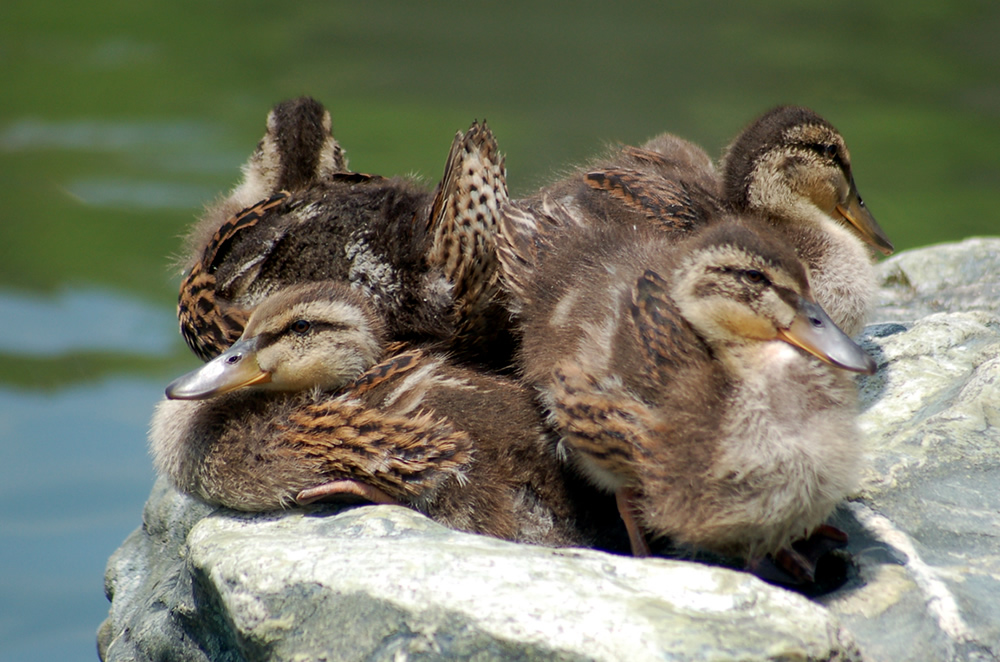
{"x":668,"y":182}
{"x":310,"y":404}
{"x":464,"y":216}
{"x":209,"y":320}
{"x":297,"y":150}
{"x":671,"y":369}
{"x":789,"y":167}
{"x":425,"y":260}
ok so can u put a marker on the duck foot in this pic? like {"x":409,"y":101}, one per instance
{"x":823,"y":540}
{"x":349,"y":491}
{"x":796,"y":565}
{"x":625,"y":498}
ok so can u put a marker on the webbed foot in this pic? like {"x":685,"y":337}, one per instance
{"x":796,"y":565}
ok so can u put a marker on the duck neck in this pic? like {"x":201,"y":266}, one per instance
{"x":788,"y":438}
{"x":842,"y":275}
{"x":775,"y":386}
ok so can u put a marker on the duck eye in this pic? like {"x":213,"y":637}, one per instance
{"x":827,"y":150}
{"x":753,"y":276}
{"x":301,"y":326}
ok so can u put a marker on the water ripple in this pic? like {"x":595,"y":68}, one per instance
{"x":33,"y":134}
{"x":143,"y":195}
{"x":83,"y":320}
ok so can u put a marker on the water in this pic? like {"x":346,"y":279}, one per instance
{"x":120,"y":121}
{"x":73,"y":478}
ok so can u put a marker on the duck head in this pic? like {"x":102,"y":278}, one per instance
{"x":740,"y":284}
{"x":313,"y":335}
{"x":790,"y":165}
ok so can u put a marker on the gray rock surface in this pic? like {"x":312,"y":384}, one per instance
{"x":925,"y":530}
{"x":383,"y":583}
{"x":962,"y":276}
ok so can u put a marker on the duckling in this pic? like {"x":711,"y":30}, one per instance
{"x":425,"y":260}
{"x":694,"y":377}
{"x":310,"y":404}
{"x":790,"y":167}
{"x":793,"y":166}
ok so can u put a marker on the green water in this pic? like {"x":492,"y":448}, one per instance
{"x":119,"y":120}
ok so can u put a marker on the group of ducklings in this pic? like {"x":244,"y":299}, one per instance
{"x":650,"y":327}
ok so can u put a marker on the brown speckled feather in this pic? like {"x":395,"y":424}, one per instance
{"x":407,"y":457}
{"x":607,"y":427}
{"x":207,"y":322}
{"x":665,"y":202}
{"x":398,"y":363}
{"x":666,"y":340}
{"x":463,"y":223}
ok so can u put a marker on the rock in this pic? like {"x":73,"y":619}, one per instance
{"x":380,"y":582}
{"x":943,"y":278}
{"x":151,"y":587}
{"x":385,"y":583}
{"x":925,"y":531}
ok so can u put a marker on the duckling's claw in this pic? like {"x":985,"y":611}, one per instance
{"x":823,"y":540}
{"x":348,"y":491}
{"x":835,"y":537}
{"x":786,"y":567}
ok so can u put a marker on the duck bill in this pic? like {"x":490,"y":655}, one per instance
{"x":856,"y":213}
{"x":814,"y":331}
{"x":235,"y":368}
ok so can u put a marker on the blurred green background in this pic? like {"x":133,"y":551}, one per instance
{"x":120,"y":120}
